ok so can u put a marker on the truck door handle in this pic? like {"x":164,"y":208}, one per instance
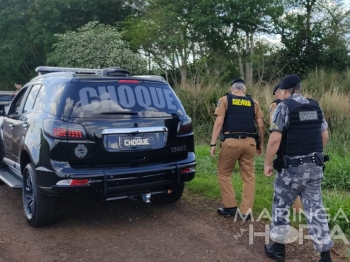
{"x":25,"y":125}
{"x":11,"y":125}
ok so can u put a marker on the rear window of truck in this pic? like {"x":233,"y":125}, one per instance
{"x":93,"y":99}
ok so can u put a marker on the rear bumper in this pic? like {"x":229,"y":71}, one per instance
{"x":118,"y":182}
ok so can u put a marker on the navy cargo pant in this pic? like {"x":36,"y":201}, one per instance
{"x":304,"y":181}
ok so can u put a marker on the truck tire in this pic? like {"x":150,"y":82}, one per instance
{"x":169,"y":198}
{"x":38,"y":209}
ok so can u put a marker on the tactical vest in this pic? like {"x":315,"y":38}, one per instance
{"x":303,"y":133}
{"x":240,"y":115}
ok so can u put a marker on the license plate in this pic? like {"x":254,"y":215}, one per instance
{"x":134,"y":142}
{"x":140,"y":142}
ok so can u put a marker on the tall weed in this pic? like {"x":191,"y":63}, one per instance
{"x":331,"y":89}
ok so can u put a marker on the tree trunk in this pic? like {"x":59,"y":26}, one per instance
{"x":184,"y":56}
{"x":240,"y":64}
{"x":183,"y":69}
{"x":309,"y":6}
{"x":246,"y":51}
{"x":166,"y":75}
{"x":248,"y":64}
{"x":251,"y":52}
{"x":149,"y":63}
{"x":173,"y":68}
{"x":183,"y":73}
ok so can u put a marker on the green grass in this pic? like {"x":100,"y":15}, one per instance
{"x":333,"y":93}
{"x":206,"y":184}
{"x":334,"y":201}
{"x":333,"y":96}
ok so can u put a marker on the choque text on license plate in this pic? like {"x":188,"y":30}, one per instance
{"x":136,"y":141}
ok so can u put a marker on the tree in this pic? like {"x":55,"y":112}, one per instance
{"x":96,"y":46}
{"x":164,"y":32}
{"x":313,"y":34}
{"x":267,"y":62}
{"x":245,"y":18}
{"x":337,"y":25}
{"x":27,"y":29}
{"x":179,"y":33}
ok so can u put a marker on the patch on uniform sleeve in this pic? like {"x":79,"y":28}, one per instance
{"x":219,"y":102}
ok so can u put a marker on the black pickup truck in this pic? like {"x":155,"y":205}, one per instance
{"x":96,"y":131}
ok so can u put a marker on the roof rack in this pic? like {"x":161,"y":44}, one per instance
{"x":111,"y":71}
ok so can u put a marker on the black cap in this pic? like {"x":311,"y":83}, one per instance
{"x":289,"y":81}
{"x":17,"y":83}
{"x":275,"y":88}
{"x":238,"y":80}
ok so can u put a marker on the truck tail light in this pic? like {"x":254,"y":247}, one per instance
{"x":187,"y":170}
{"x":63,"y":130}
{"x":185,"y":127}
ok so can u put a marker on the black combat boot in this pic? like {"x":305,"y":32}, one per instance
{"x":326,"y":257}
{"x":224,"y":211}
{"x":276,"y":251}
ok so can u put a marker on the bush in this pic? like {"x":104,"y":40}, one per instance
{"x":96,"y":46}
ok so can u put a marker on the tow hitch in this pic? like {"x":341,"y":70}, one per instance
{"x":146,"y":198}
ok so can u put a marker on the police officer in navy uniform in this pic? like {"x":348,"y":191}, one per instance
{"x":299,"y":132}
{"x":236,"y":115}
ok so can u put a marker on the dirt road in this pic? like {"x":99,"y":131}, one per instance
{"x":89,"y":230}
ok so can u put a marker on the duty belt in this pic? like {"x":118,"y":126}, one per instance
{"x":284,"y":162}
{"x":302,"y":160}
{"x":238,"y":136}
